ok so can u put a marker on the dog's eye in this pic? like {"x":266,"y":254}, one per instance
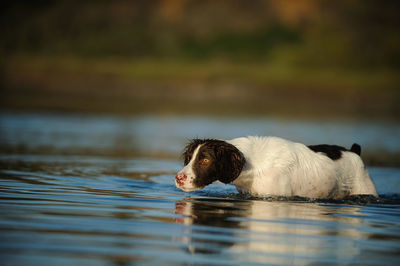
{"x":204,"y":161}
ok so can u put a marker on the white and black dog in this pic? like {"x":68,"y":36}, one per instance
{"x":272,"y":166}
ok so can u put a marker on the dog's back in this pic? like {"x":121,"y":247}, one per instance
{"x":283,"y":168}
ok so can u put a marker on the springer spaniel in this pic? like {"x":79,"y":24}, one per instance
{"x":272,"y":166}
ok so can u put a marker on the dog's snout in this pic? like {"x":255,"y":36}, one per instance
{"x":180,"y":178}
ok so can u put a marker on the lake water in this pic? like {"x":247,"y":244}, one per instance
{"x":99,"y":190}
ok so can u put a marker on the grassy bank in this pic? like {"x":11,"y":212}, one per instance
{"x":122,"y":85}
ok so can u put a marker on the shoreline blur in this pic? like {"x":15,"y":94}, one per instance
{"x":305,"y":58}
{"x":196,"y":88}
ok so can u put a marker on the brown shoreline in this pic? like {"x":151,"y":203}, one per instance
{"x":27,"y":88}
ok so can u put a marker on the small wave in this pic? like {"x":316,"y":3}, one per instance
{"x":350,"y":200}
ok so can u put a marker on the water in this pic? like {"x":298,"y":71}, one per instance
{"x":99,"y":190}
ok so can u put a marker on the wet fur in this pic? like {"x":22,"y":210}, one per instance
{"x":271,"y":166}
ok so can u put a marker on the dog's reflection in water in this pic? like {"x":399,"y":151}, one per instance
{"x":209,"y":227}
{"x":278,"y":228}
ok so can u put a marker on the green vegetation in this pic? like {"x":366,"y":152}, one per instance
{"x":235,"y":55}
{"x":255,"y":74}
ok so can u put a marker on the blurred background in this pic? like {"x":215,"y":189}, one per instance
{"x":98,"y":98}
{"x":141,"y":77}
{"x":308,"y":58}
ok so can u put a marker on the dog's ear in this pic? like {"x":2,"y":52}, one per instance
{"x":231,"y":162}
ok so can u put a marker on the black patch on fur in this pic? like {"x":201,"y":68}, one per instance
{"x":226,"y":161}
{"x":356,"y":149}
{"x":333,"y":151}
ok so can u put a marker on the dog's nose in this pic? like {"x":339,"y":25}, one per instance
{"x":181,"y":178}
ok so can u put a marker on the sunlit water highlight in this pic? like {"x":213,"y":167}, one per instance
{"x":64,"y":209}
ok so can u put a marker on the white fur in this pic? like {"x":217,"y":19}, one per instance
{"x":188,"y":171}
{"x":278,"y":167}
{"x":266,"y":224}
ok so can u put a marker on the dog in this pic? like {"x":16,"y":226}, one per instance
{"x":272,"y":166}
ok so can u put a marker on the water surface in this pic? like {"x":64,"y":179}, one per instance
{"x":67,"y":197}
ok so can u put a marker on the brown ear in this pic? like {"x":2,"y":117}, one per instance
{"x":231,"y":164}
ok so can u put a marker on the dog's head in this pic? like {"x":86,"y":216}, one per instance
{"x":209,"y":160}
